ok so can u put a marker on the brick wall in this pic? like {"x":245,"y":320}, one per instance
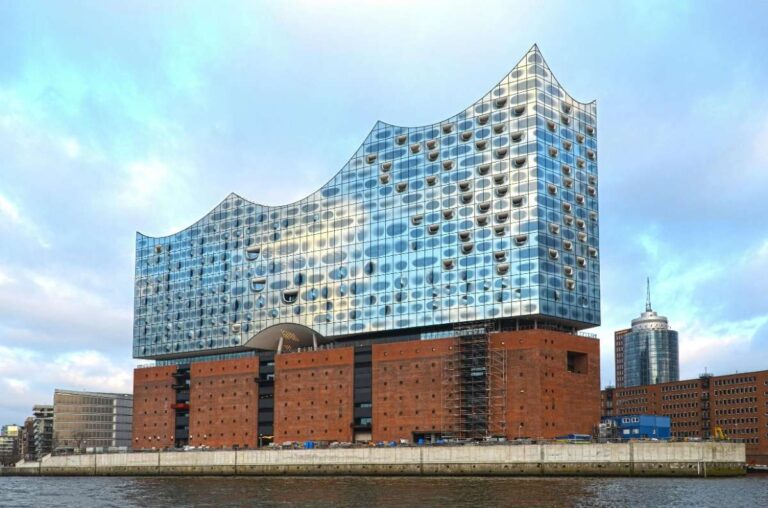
{"x":153,"y":418}
{"x":313,"y":395}
{"x":545,"y":399}
{"x":409,"y":389}
{"x":411,"y":393}
{"x":224,"y":403}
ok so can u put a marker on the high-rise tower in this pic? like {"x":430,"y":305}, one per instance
{"x":650,"y":350}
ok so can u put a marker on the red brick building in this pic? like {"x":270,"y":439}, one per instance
{"x":153,"y":418}
{"x":313,"y":395}
{"x":737,"y":403}
{"x":532,"y":383}
{"x":223,"y":403}
{"x":618,"y":352}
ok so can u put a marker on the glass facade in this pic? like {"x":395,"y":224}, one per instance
{"x":491,"y":214}
{"x":650,"y":350}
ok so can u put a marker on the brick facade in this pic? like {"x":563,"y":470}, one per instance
{"x":545,"y":398}
{"x":409,"y":389}
{"x":545,"y":384}
{"x":153,"y":417}
{"x":618,"y":352}
{"x":224,"y":403}
{"x":737,"y":403}
{"x":313,"y":395}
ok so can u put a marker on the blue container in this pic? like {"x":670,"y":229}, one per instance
{"x":643,"y":426}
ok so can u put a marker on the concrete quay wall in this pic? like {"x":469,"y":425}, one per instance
{"x":623,"y":459}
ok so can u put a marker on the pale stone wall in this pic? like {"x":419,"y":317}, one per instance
{"x":625,"y":459}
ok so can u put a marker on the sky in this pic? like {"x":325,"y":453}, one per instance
{"x":117,"y":117}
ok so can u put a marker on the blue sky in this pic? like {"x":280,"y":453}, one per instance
{"x":118,"y":117}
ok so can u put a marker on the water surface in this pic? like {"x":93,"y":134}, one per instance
{"x":387,"y":492}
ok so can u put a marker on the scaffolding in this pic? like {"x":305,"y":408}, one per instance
{"x":474,"y":386}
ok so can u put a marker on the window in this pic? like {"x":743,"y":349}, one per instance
{"x":576,"y":362}
{"x":252,"y":252}
{"x":290,"y":295}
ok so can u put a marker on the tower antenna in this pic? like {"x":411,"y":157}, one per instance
{"x":648,"y":295}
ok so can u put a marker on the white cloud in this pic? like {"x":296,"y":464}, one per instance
{"x":29,"y":377}
{"x":58,"y":311}
{"x":143,"y":181}
{"x":14,"y":217}
{"x":16,"y":386}
{"x":9,"y":210}
{"x":5,"y":278}
{"x":71,"y":147}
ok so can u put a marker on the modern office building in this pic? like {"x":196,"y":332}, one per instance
{"x":436,"y":286}
{"x":43,"y":430}
{"x":618,"y":351}
{"x":649,"y":350}
{"x":85,"y":420}
{"x":735,"y":403}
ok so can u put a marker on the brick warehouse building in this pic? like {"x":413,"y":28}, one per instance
{"x":548,"y":385}
{"x":737,"y":403}
{"x":436,"y":286}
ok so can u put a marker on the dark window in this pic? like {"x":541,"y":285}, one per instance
{"x":577,"y":362}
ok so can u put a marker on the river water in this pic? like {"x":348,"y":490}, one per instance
{"x":389,"y":492}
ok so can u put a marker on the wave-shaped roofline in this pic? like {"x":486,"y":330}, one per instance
{"x":523,"y":61}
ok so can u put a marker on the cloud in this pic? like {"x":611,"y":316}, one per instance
{"x":71,"y":147}
{"x":28,"y":377}
{"x":54,"y":313}
{"x":143,"y":182}
{"x":17,"y":387}
{"x":13,"y":216}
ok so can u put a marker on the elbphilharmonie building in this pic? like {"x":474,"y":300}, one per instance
{"x":490,"y":214}
{"x":486,"y":220}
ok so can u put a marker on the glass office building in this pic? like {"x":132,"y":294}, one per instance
{"x":650,"y":350}
{"x":491,"y":214}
